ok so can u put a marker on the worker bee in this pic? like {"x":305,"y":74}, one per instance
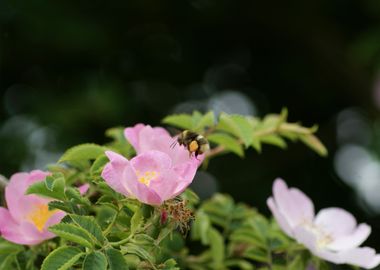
{"x":194,"y":142}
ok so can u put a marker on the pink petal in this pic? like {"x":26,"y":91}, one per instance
{"x":54,"y":219}
{"x":336,"y":221}
{"x":293,"y":204}
{"x":13,"y":232}
{"x":358,"y":236}
{"x":18,"y":203}
{"x":151,"y":161}
{"x":132,"y":135}
{"x":281,"y":220}
{"x":113,"y":172}
{"x":36,"y":176}
{"x":166,"y":185}
{"x":84,"y":188}
{"x":363,"y":257}
{"x":31,"y":236}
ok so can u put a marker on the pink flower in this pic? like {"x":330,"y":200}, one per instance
{"x":27,"y":218}
{"x":150,"y":177}
{"x":333,"y":234}
{"x":145,"y":138}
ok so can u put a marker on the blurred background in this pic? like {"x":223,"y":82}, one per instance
{"x":69,"y":70}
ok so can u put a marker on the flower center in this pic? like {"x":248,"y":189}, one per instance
{"x":323,"y":238}
{"x":40,"y":215}
{"x":146,"y":177}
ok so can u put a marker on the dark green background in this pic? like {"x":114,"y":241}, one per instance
{"x":71,"y":69}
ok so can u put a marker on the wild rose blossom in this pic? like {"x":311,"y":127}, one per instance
{"x":150,"y":177}
{"x":145,"y":138}
{"x":27,"y":218}
{"x":333,"y":234}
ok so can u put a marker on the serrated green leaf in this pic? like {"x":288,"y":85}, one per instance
{"x":64,"y":206}
{"x":89,"y":224}
{"x":52,"y":187}
{"x":217,"y":246}
{"x":274,"y":140}
{"x":237,"y":125}
{"x":314,"y":143}
{"x":73,"y":233}
{"x":206,"y":120}
{"x":136,"y":220}
{"x":228,"y":142}
{"x":62,"y":258}
{"x":183,"y":121}
{"x":256,"y":144}
{"x":82,"y":152}
{"x":95,"y":261}
{"x":139,"y":251}
{"x":115,"y":259}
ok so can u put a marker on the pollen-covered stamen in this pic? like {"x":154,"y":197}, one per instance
{"x":40,"y":215}
{"x":146,"y":177}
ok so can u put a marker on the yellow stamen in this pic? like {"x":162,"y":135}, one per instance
{"x":146,"y":177}
{"x":40,"y":215}
{"x":193,"y":146}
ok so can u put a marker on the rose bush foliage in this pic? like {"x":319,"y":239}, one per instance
{"x":127,"y":205}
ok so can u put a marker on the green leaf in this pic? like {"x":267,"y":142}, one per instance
{"x":73,"y":233}
{"x":139,"y":251}
{"x":296,"y":263}
{"x":183,"y":121}
{"x":227,"y":142}
{"x":241,"y":264}
{"x":256,"y":144}
{"x":73,"y":194}
{"x":206,"y":120}
{"x":98,"y":165}
{"x":9,"y":248}
{"x":62,"y":258}
{"x":95,"y":261}
{"x":256,"y":254}
{"x":217,"y":246}
{"x":6,"y":261}
{"x":115,"y":259}
{"x":136,"y":220}
{"x":89,"y":224}
{"x":52,"y":187}
{"x":64,"y":206}
{"x":314,"y":143}
{"x":170,"y":264}
{"x":82,"y":152}
{"x":237,"y":125}
{"x":200,"y":228}
{"x":274,"y":140}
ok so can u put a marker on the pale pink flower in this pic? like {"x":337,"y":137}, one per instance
{"x":27,"y":218}
{"x":333,"y":234}
{"x":150,"y":177}
{"x":145,"y":138}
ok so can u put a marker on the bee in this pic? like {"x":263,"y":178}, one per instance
{"x":194,"y":142}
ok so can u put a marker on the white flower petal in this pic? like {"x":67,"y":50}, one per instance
{"x":364,"y":257}
{"x":293,"y":204}
{"x":281,"y":220}
{"x":335,"y":221}
{"x":353,"y":240}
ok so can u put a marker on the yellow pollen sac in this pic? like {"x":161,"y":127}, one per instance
{"x":146,"y":177}
{"x":193,"y":146}
{"x":40,"y":215}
